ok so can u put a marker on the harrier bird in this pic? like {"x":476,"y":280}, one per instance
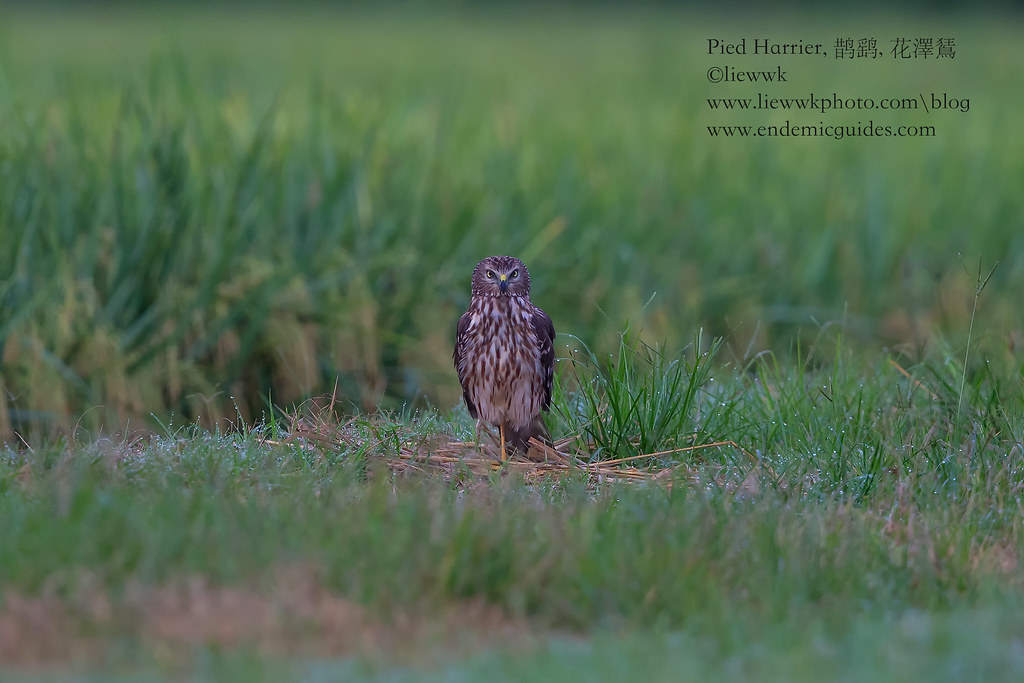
{"x":505,"y":354}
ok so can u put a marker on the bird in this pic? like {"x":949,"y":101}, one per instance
{"x":505,"y":354}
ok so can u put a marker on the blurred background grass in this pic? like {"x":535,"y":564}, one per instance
{"x":203,"y":210}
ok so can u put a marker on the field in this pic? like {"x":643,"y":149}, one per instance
{"x":213,"y":221}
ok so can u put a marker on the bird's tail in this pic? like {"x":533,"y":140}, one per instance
{"x":519,"y":439}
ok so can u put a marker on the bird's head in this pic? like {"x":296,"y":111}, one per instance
{"x":501,"y":276}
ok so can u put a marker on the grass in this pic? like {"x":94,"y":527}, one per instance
{"x":859,"y":534}
{"x":636,"y":402}
{"x":207,"y":211}
{"x":209,"y":219}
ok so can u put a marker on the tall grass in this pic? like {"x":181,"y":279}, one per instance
{"x":199,"y":212}
{"x":638,"y":401}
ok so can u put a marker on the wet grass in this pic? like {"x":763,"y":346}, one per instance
{"x":870,"y":510}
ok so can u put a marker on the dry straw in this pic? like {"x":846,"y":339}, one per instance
{"x":567,"y":456}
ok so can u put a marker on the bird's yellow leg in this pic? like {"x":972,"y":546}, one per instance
{"x":504,"y":454}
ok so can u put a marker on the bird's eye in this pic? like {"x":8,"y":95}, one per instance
{"x":490,"y":274}
{"x":515,"y":274}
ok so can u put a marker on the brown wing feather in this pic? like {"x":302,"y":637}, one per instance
{"x":460,"y":367}
{"x":545,"y":330}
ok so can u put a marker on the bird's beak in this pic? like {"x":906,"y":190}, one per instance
{"x":503,"y":282}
